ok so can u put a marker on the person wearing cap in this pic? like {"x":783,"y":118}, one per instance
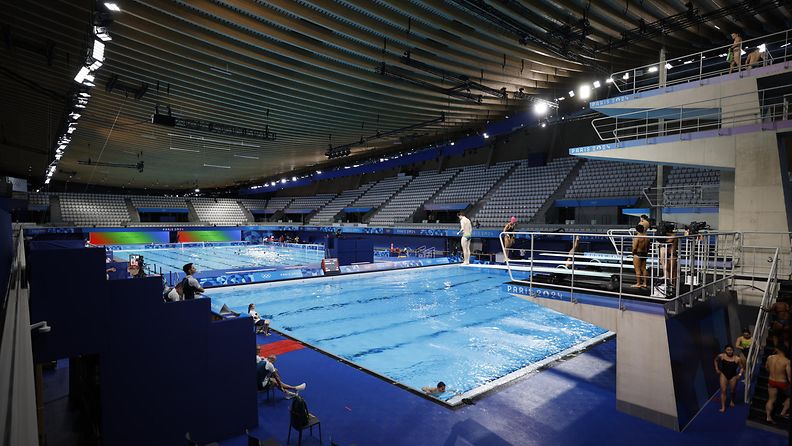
{"x":508,"y":239}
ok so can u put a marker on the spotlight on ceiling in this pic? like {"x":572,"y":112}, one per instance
{"x":652,"y":69}
{"x":485,"y":135}
{"x":197,"y":190}
{"x":543,"y":124}
{"x":540,"y":108}
{"x":102,"y":33}
{"x":571,"y":93}
{"x":584,"y":91}
{"x":597,"y":84}
{"x":114,"y":7}
{"x":626,"y":76}
{"x":82,"y":75}
{"x":609,"y":80}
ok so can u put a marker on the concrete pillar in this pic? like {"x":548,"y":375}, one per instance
{"x":726,"y":199}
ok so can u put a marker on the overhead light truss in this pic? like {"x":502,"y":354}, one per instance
{"x":344,"y":150}
{"x":211,"y":127}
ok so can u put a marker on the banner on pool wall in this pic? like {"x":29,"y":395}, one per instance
{"x":218,"y":235}
{"x":128,"y":238}
{"x":381,"y":266}
{"x":257,"y":276}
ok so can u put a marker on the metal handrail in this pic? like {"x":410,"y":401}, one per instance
{"x":694,"y":195}
{"x":627,"y":81}
{"x":18,"y":419}
{"x":694,"y":270}
{"x":743,"y":108}
{"x":761,"y":327}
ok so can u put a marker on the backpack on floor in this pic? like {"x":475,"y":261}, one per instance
{"x":299,"y":412}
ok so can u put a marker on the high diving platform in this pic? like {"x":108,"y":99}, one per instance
{"x":667,"y":333}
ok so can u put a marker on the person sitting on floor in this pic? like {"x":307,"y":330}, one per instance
{"x":435,"y":391}
{"x":262,"y":325}
{"x":267,"y":375}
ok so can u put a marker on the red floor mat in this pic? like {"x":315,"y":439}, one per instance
{"x":279,"y":348}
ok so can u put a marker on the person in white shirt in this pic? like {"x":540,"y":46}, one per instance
{"x":261,"y":324}
{"x":466,"y":229}
{"x":176,"y":293}
{"x":267,"y":374}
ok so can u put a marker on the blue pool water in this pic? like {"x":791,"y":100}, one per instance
{"x":418,"y":326}
{"x":225,"y":257}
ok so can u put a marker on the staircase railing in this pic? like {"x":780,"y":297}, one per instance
{"x":761,"y":327}
{"x":18,"y":420}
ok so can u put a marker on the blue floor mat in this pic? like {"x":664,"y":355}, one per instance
{"x":572,"y":403}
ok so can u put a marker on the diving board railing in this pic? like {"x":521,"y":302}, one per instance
{"x":766,"y":105}
{"x":762,"y":326}
{"x":698,"y":195}
{"x":701,"y":65}
{"x":18,"y":418}
{"x":757,"y":250}
{"x":681,"y":269}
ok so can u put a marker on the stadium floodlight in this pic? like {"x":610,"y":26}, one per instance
{"x":668,"y":66}
{"x":294,"y":178}
{"x":318,"y":172}
{"x":98,"y":51}
{"x":102,"y":33}
{"x":540,"y":108}
{"x":74,"y":115}
{"x":47,"y":181}
{"x":584,"y":91}
{"x":571,"y":93}
{"x":597,"y":84}
{"x":626,"y":76}
{"x":82,"y":75}
{"x":485,"y":135}
{"x":652,"y":69}
{"x":113,"y":7}
{"x":609,"y":80}
{"x":543,"y":124}
{"x":197,"y":190}
{"x":452,"y":143}
{"x":284,"y":180}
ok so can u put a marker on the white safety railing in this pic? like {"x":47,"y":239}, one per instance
{"x":683,"y":196}
{"x":718,"y":113}
{"x":755,"y":258}
{"x":702,"y":65}
{"x":762,"y":326}
{"x":681,"y":269}
{"x":18,"y":420}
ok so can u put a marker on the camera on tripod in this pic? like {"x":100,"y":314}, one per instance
{"x":697,"y":226}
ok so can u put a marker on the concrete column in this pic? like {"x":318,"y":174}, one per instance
{"x":726,"y":199}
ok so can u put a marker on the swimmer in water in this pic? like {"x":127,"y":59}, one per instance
{"x":435,"y":391}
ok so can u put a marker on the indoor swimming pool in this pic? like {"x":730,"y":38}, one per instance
{"x":419,"y":326}
{"x":219,"y":256}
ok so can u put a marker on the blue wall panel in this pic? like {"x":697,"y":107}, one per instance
{"x":68,"y":289}
{"x":695,"y":337}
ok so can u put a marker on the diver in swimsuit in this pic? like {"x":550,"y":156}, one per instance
{"x":780,"y":376}
{"x":730,"y":367}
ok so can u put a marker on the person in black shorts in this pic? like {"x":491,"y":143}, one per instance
{"x":640,"y":251}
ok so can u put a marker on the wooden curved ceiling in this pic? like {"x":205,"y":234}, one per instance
{"x":304,"y":69}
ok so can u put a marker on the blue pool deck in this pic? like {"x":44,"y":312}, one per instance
{"x":570,"y":403}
